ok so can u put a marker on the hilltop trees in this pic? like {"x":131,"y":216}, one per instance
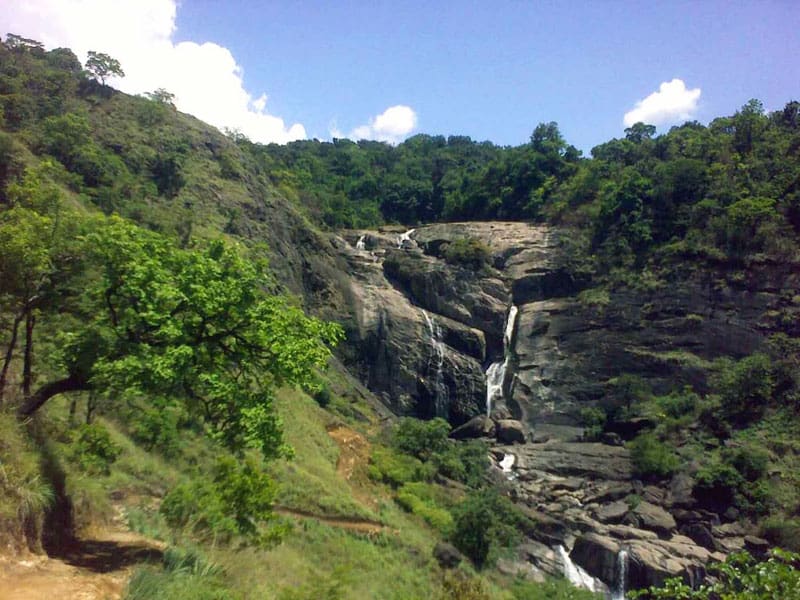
{"x":100,"y":66}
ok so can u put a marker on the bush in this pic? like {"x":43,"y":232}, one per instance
{"x":93,"y":449}
{"x":396,"y":469}
{"x":410,"y":498}
{"x":421,"y":438}
{"x":740,"y":577}
{"x":717,"y":486}
{"x":783,"y":532}
{"x":157,"y":429}
{"x":235,"y":502}
{"x":745,"y":387}
{"x":677,"y":404}
{"x":651,"y":457}
{"x":467,"y":252}
{"x":485,"y":523}
{"x":323,"y":396}
{"x":466,"y":462}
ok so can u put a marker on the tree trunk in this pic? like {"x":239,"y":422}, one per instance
{"x":9,"y":354}
{"x":27,"y":368}
{"x":43,"y":394}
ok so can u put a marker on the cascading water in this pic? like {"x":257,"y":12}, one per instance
{"x":361,"y":244}
{"x":404,"y":237}
{"x":496,"y":373}
{"x":622,"y":576}
{"x":437,"y":346}
{"x":577,"y":576}
{"x":507,"y":464}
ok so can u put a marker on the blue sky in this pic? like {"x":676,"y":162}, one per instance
{"x":491,"y":70}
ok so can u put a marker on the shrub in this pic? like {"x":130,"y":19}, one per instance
{"x":745,"y":387}
{"x":421,"y":438}
{"x":435,"y":516}
{"x":740,"y":577}
{"x":236,"y":501}
{"x":466,"y":462}
{"x":783,"y":532}
{"x":485,"y":523}
{"x":677,"y":404}
{"x":467,"y":252}
{"x":396,"y":469}
{"x":93,"y":448}
{"x":651,"y":457}
{"x":323,"y":396}
{"x":717,"y":485}
{"x":157,"y":429}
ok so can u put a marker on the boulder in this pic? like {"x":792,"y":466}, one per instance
{"x":510,"y":431}
{"x":597,"y":554}
{"x":612,"y":513}
{"x":756,"y":546}
{"x":477,"y":427}
{"x":701,"y":534}
{"x":611,"y":439}
{"x":447,"y":555}
{"x":655,"y":518}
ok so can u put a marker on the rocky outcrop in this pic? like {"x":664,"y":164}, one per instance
{"x":510,"y":431}
{"x":422,"y":333}
{"x":479,"y":426}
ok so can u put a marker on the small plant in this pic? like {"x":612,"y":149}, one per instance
{"x":651,"y":457}
{"x":467,"y":252}
{"x":93,"y":449}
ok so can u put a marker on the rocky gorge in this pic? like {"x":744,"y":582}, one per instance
{"x":514,"y":350}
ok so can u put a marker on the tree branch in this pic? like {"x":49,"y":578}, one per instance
{"x":73,"y":383}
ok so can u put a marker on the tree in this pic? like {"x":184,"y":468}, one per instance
{"x":195,"y":325}
{"x":100,"y":66}
{"x":638,"y":132}
{"x":162,"y":96}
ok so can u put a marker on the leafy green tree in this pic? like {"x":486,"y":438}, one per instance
{"x":195,"y":325}
{"x":162,"y":96}
{"x":101,"y":66}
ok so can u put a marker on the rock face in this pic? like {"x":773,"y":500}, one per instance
{"x":421,"y":333}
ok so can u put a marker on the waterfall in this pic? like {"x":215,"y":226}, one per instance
{"x":577,"y":576}
{"x":507,"y":463}
{"x":622,"y":576}
{"x":404,"y":237}
{"x":496,"y":373}
{"x":361,"y":244}
{"x":437,"y":346}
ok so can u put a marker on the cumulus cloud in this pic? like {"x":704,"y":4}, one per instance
{"x":204,"y":77}
{"x":392,"y":125}
{"x":673,"y":102}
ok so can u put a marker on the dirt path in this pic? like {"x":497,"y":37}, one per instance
{"x":352,"y":524}
{"x":91,"y":569}
{"x":353,"y":450}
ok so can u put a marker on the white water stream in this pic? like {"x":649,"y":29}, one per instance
{"x":496,"y":373}
{"x":404,"y":237}
{"x":361,"y":244}
{"x":618,"y":593}
{"x":576,"y":575}
{"x":438,"y":349}
{"x":507,"y":464}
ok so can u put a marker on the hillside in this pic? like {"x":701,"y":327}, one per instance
{"x":232,"y":345}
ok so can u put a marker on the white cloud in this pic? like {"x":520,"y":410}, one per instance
{"x":392,"y":125}
{"x":205,"y":78}
{"x":670,"y":104}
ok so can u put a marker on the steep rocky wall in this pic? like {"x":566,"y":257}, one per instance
{"x":422,"y":333}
